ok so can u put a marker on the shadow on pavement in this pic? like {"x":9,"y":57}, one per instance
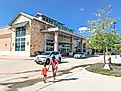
{"x":31,"y":71}
{"x":63,"y":62}
{"x":66,"y":79}
{"x":60,"y":80}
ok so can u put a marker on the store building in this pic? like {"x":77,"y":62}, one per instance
{"x":27,"y":34}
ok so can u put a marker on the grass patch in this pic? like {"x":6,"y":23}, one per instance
{"x":98,"y":68}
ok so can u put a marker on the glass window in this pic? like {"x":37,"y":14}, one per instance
{"x":49,"y":48}
{"x":46,"y":20}
{"x":84,"y":45}
{"x":43,"y":18}
{"x":23,"y":39}
{"x":20,"y":41}
{"x":46,"y":53}
{"x":20,"y":44}
{"x":17,"y":39}
{"x":56,"y":53}
{"x":20,"y":31}
{"x":17,"y":46}
{"x":49,"y":21}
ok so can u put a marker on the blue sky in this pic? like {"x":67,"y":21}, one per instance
{"x":73,"y":13}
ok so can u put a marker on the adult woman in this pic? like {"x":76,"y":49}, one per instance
{"x":54,"y":64}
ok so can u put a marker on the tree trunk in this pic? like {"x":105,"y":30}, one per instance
{"x":104,"y":57}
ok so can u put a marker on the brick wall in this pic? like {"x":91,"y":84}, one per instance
{"x":5,"y":39}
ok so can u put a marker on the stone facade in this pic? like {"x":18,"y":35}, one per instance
{"x":37,"y":42}
{"x":37,"y":32}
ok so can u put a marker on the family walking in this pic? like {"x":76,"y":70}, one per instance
{"x":54,"y":64}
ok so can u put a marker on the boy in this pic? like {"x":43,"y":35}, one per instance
{"x":44,"y":73}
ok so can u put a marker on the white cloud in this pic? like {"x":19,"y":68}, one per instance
{"x":82,"y":9}
{"x":83,"y":28}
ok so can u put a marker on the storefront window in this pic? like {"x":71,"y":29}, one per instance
{"x":20,"y":38}
{"x":49,"y":48}
{"x":49,"y":45}
{"x":20,"y":44}
{"x":64,"y":48}
{"x":17,"y":46}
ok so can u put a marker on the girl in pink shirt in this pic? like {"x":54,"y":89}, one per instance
{"x":54,"y":64}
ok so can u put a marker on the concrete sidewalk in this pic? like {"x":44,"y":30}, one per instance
{"x":79,"y":80}
{"x":19,"y":70}
{"x":31,"y":79}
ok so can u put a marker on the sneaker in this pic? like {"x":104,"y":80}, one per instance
{"x":53,"y":80}
{"x":44,"y":81}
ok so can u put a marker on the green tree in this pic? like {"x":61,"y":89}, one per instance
{"x":101,"y":37}
{"x":116,"y":48}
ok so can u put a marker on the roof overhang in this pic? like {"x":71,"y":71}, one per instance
{"x":64,"y":31}
{"x":50,"y":30}
{"x":71,"y":33}
{"x":20,"y":24}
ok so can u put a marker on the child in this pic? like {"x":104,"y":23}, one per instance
{"x":44,"y":73}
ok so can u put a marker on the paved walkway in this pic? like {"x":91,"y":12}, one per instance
{"x":78,"y":79}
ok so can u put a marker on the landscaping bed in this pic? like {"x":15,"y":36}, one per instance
{"x":98,"y":68}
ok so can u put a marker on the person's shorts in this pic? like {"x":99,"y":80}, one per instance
{"x":45,"y":75}
{"x":54,"y":70}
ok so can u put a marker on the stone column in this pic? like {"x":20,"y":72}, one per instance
{"x":82,"y":45}
{"x":45,"y":44}
{"x":72,"y":41}
{"x":56,"y":41}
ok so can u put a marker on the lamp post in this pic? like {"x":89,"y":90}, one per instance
{"x":114,"y":27}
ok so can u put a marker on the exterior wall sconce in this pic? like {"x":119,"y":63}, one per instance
{"x":5,"y":44}
{"x":27,"y":43}
{"x":13,"y":44}
{"x":11,"y":29}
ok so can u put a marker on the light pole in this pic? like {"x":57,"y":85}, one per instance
{"x":115,"y":46}
{"x":114,"y":25}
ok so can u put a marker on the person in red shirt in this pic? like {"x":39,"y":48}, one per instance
{"x":54,"y":64}
{"x":44,"y":73}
